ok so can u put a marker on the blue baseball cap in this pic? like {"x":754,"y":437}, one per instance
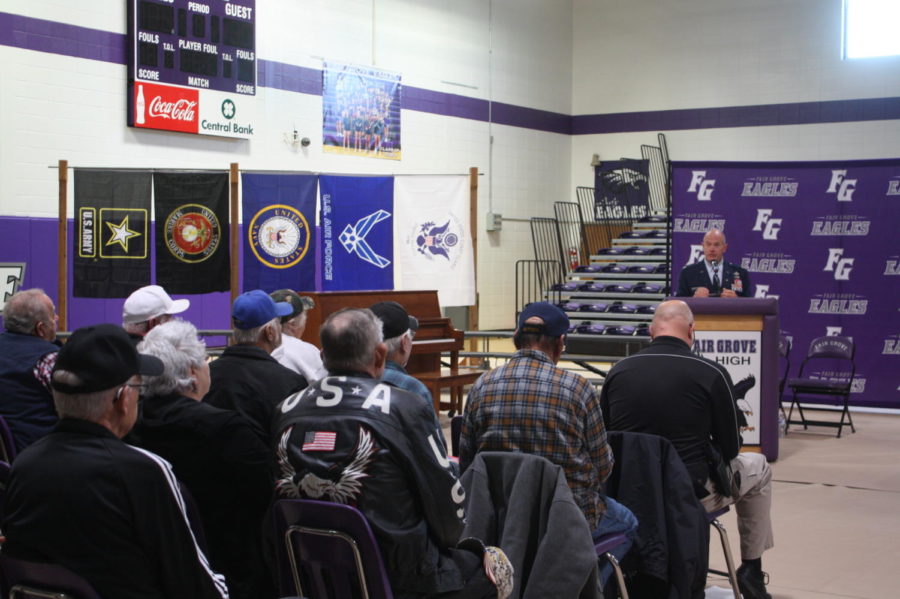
{"x":255,"y":308}
{"x":555,"y":324}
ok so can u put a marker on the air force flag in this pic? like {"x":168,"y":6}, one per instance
{"x":357,"y":233}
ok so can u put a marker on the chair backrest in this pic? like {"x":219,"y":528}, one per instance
{"x":7,"y":443}
{"x":784,"y":353}
{"x":327,"y":550}
{"x":455,"y":433}
{"x":831,"y":348}
{"x":27,"y":580}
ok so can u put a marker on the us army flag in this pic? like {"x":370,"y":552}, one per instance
{"x":432,"y":237}
{"x":111,"y":255}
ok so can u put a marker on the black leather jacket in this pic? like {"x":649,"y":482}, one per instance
{"x":355,"y":440}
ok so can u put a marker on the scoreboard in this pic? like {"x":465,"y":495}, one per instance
{"x":192,"y":66}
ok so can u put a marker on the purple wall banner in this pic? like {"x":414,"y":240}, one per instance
{"x":819,"y":236}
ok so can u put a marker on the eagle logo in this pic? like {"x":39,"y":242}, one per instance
{"x":433,"y":240}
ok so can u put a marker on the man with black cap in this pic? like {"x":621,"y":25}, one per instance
{"x":295,"y":353}
{"x":531,"y":405}
{"x":246,"y":378}
{"x":399,"y":329}
{"x":82,"y":498}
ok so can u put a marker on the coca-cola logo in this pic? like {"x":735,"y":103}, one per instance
{"x":180,"y":110}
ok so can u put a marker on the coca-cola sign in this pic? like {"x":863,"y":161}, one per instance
{"x":165,"y":107}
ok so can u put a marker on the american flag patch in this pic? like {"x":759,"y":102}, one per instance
{"x":319,"y":441}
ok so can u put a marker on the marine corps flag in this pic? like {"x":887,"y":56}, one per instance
{"x":111,"y":255}
{"x":192,"y":232}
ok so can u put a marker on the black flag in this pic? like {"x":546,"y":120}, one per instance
{"x":192,"y":232}
{"x":111,"y":247}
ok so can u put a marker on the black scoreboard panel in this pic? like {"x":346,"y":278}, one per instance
{"x":203,"y":44}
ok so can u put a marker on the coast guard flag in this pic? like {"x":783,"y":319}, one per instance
{"x":279,"y":219}
{"x":111,"y":253}
{"x":357,"y":233}
{"x":432,"y":238}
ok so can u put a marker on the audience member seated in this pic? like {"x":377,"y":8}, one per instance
{"x":350,"y":438}
{"x":531,"y":405}
{"x":147,"y":307}
{"x":666,"y":390}
{"x":399,"y":328}
{"x":295,"y":353}
{"x":27,"y":355}
{"x":246,"y":378}
{"x":214,"y":452}
{"x":81,"y":498}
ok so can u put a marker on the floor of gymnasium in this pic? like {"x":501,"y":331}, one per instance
{"x":836,"y":513}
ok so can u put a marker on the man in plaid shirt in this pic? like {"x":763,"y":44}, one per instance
{"x":531,"y":405}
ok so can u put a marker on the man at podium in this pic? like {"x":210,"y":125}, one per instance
{"x":712,"y":276}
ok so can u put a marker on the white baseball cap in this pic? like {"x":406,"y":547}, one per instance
{"x":149,"y":302}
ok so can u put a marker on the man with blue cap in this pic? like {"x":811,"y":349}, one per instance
{"x":531,"y":405}
{"x":246,"y":378}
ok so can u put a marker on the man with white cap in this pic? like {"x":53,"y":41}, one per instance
{"x":148,"y":307}
{"x":246,"y":378}
{"x":295,"y":353}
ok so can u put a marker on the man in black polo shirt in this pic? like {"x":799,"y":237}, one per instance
{"x":81,"y":498}
{"x":666,"y":390}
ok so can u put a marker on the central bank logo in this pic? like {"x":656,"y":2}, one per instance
{"x":192,"y":233}
{"x":841,"y":185}
{"x":765,"y":223}
{"x":702,"y":186}
{"x":353,"y":238}
{"x":228,"y":108}
{"x":279,"y":236}
{"x":11,"y":275}
{"x":839,"y":265}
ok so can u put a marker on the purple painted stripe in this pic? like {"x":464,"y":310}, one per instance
{"x":425,"y":100}
{"x":797,"y":113}
{"x":59,"y":38}
{"x":288,"y":77}
{"x":530,"y":118}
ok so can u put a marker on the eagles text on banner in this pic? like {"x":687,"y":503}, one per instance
{"x":110,"y":250}
{"x":820,"y":237}
{"x":432,"y":238}
{"x":279,"y":247}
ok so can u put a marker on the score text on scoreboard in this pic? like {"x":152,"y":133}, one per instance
{"x":192,"y":66}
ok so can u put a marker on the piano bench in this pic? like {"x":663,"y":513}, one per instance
{"x":455,"y":379}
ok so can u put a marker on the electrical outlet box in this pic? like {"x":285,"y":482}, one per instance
{"x":493,"y":221}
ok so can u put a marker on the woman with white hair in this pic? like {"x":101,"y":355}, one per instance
{"x":214,"y":452}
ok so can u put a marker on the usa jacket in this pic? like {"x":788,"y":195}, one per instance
{"x":355,"y":440}
{"x":696,"y":275}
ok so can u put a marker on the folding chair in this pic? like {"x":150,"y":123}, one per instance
{"x":35,"y":580}
{"x":840,"y":350}
{"x":784,"y":354}
{"x":604,"y":547}
{"x":327,"y":551}
{"x":726,"y":549}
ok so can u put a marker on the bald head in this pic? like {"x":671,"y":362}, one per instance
{"x":674,"y":319}
{"x":714,"y":245}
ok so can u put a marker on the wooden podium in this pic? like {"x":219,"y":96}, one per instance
{"x":742,"y":335}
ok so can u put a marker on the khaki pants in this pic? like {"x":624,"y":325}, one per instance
{"x":751,"y":494}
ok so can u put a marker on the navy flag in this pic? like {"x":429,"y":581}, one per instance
{"x":110,"y":253}
{"x":279,"y":220}
{"x":192,"y":237}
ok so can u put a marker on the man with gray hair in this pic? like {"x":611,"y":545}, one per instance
{"x":399,"y":328}
{"x":246,"y":378}
{"x":350,"y":438}
{"x":27,"y":356}
{"x":81,"y":498}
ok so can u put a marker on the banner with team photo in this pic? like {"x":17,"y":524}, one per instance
{"x":192,"y":234}
{"x":432,"y":237}
{"x":357,"y":233}
{"x":110,"y":248}
{"x":360,"y":111}
{"x":279,"y":214}
{"x":820,"y":237}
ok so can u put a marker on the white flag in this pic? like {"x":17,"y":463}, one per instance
{"x":432,"y":238}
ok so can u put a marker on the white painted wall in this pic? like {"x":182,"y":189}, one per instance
{"x":646,"y":55}
{"x":54,"y":107}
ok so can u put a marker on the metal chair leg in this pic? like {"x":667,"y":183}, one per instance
{"x":729,"y":560}
{"x":620,"y":579}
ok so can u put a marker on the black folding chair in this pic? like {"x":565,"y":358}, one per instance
{"x":835,"y":389}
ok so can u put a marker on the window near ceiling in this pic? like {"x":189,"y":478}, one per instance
{"x":871,"y":28}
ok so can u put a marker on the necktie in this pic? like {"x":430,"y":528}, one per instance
{"x":716,"y":280}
